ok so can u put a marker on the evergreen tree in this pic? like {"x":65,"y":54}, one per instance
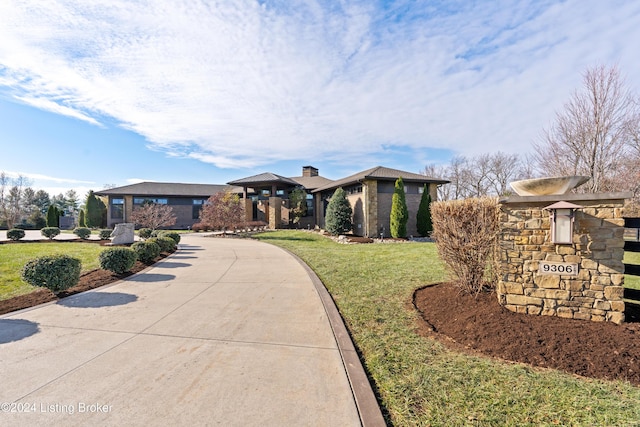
{"x":53,"y":216}
{"x":95,"y":215}
{"x":399,"y":212}
{"x":339,"y":212}
{"x":423,"y":218}
{"x":81,"y":219}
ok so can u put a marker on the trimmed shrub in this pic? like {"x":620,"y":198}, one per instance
{"x":339,"y":212}
{"x":105,"y":233}
{"x":399,"y":212}
{"x":423,"y":217}
{"x":145,"y":233}
{"x":146,"y":251}
{"x":15,"y":234}
{"x":200,"y":226}
{"x":50,"y":232}
{"x":166,"y":244}
{"x":466,"y":234}
{"x":171,"y":234}
{"x":55,"y":272}
{"x":118,"y":259}
{"x":82,"y":232}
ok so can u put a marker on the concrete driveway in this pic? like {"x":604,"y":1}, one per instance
{"x":224,"y":332}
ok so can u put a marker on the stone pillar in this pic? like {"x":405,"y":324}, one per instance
{"x":128,"y":208}
{"x":370,"y":194}
{"x":275,"y":212}
{"x":248,"y":210}
{"x":593,"y":292}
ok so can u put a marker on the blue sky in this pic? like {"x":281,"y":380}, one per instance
{"x":121,"y":91}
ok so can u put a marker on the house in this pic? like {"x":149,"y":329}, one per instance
{"x":369,"y":193}
{"x":185,"y":199}
{"x":266,"y":198}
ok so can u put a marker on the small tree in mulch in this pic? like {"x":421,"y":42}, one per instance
{"x":153,"y":216}
{"x":55,"y":272}
{"x":399,"y":212}
{"x":423,"y":217}
{"x":223,"y":211}
{"x":466,"y":234}
{"x":339,"y":213}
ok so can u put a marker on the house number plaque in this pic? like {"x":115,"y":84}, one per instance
{"x":561,"y":268}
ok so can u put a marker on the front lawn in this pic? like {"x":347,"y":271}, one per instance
{"x":419,"y":381}
{"x":15,"y":255}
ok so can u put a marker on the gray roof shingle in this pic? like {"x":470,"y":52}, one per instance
{"x":167,"y":189}
{"x":382,"y":174}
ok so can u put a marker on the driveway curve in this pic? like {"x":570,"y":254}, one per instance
{"x":223,"y":332}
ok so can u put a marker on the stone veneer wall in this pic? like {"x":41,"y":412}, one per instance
{"x":596,"y":292}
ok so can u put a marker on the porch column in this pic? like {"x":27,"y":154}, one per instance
{"x":275,"y":212}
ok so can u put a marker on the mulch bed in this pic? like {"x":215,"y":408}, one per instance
{"x":88,"y":280}
{"x":480,"y":325}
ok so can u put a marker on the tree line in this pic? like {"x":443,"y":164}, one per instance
{"x":21,"y":205}
{"x":597,"y":134}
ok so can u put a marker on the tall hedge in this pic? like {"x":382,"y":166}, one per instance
{"x":81,"y":219}
{"x":399,"y":211}
{"x":423,"y":217}
{"x":53,"y":216}
{"x":339,"y":212}
{"x":95,"y":215}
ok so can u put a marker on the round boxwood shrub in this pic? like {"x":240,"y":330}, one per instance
{"x":146,"y":251}
{"x":172,"y":234}
{"x":105,"y":234}
{"x":55,"y":272}
{"x":50,"y":232}
{"x":117,"y":259}
{"x":15,"y":234}
{"x":166,"y":244}
{"x":82,"y":232}
{"x":145,"y":233}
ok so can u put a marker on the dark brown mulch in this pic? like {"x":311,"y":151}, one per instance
{"x":591,"y":349}
{"x":89,"y":280}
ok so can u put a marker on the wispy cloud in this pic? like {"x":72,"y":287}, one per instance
{"x":40,"y":178}
{"x":243,"y":83}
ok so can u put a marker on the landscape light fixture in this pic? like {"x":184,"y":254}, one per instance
{"x":562,"y":216}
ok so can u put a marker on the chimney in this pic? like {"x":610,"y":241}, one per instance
{"x":309,"y":171}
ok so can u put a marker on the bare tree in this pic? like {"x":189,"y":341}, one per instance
{"x":486,"y":174}
{"x":594,"y":133}
{"x":12,"y":198}
{"x":153,"y":216}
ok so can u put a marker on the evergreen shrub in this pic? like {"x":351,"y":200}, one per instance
{"x":15,"y":234}
{"x":145,"y":233}
{"x":55,"y":272}
{"x":399,"y":212}
{"x":166,"y":244}
{"x":171,"y":234}
{"x":339,"y":212}
{"x":82,"y":232}
{"x":118,"y":259}
{"x":105,"y":233}
{"x":146,"y":251}
{"x":50,"y":232}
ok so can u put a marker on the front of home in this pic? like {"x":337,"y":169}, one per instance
{"x":266,"y":198}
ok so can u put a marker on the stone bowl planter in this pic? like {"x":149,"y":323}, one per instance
{"x":548,"y":186}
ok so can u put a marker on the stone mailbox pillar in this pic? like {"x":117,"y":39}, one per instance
{"x":579,"y":280}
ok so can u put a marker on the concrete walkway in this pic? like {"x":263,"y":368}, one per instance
{"x":226,"y":332}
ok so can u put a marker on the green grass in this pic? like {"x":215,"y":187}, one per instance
{"x":632,"y":282}
{"x":14,"y":256}
{"x":419,"y":381}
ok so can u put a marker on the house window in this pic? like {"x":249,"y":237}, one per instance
{"x":117,"y":208}
{"x":309,"y":205}
{"x":197,"y":207}
{"x":137,"y":201}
